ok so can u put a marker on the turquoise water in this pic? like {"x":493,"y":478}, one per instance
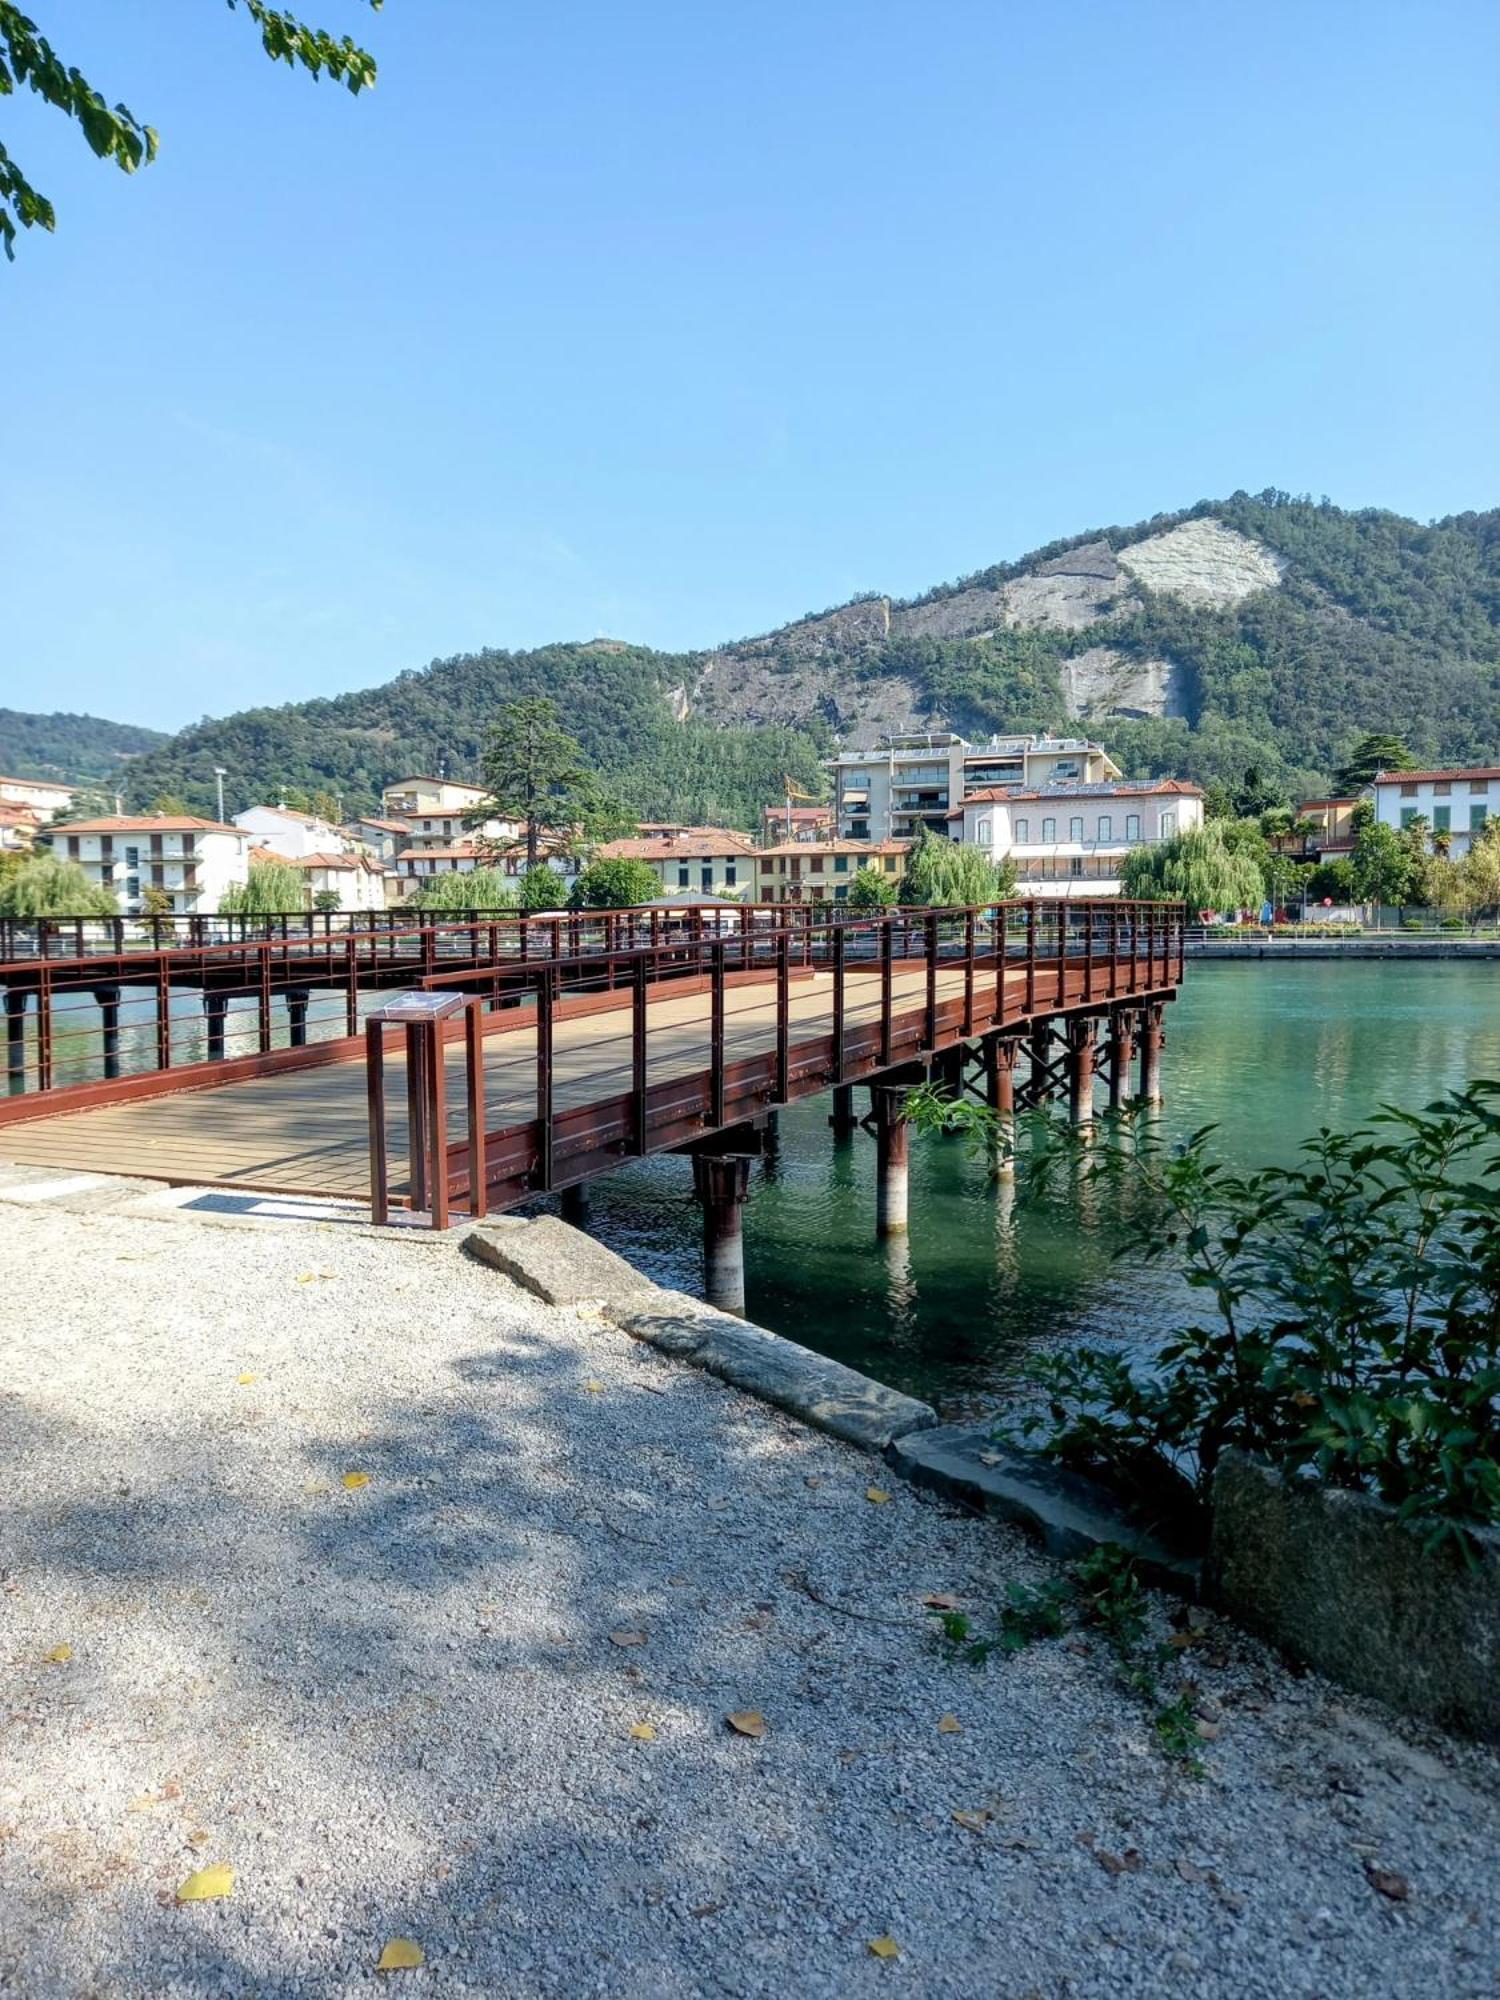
{"x":1265,"y":1053}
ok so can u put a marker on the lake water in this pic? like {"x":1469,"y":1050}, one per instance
{"x":1267,"y":1053}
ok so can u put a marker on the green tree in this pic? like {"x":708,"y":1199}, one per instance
{"x":615,"y":885}
{"x":1476,"y":881}
{"x":169,"y":803}
{"x":1380,"y":866}
{"x":1255,"y":794}
{"x":113,"y":132}
{"x":1372,"y":753}
{"x":1332,"y":882}
{"x":541,"y":888}
{"x":536,"y":775}
{"x":871,"y":890}
{"x":272,"y":889}
{"x":156,"y":903}
{"x":43,"y":886}
{"x":478,"y":889}
{"x":1202,"y":868}
{"x":949,"y":874}
{"x":327,"y":901}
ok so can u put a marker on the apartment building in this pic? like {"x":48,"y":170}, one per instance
{"x":912,"y":782}
{"x":1072,"y":839}
{"x":383,"y":837}
{"x":358,"y":880}
{"x":290,"y":834}
{"x":1456,"y":804}
{"x":692,"y":860}
{"x":37,"y":796}
{"x":188,"y":862}
{"x":415,"y":865}
{"x":423,"y":795}
{"x":1323,"y":830}
{"x":806,"y":871}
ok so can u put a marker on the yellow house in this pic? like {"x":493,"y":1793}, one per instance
{"x":820,"y":871}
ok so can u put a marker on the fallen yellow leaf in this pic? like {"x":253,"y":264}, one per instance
{"x":643,"y":1732}
{"x":594,"y":1387}
{"x":949,"y":1725}
{"x":354,"y":1480}
{"x":208,"y":1884}
{"x":747,"y":1722}
{"x":940,"y":1600}
{"x":400,"y":1955}
{"x":246,"y":1379}
{"x":976,"y":1821}
{"x":306,"y":1277}
{"x":876,"y":1495}
{"x":884,"y":1947}
{"x":198,"y":1838}
{"x":59,"y":1656}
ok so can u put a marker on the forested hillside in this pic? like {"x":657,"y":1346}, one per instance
{"x":1269,"y":631}
{"x":63,"y":747}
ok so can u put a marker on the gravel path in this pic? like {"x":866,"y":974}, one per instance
{"x":395,"y":1708}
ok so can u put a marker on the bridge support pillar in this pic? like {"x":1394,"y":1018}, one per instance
{"x":107,"y":1000}
{"x":1039,"y":1049}
{"x":296,"y":1009}
{"x":1000,"y":1052}
{"x":722,"y":1184}
{"x":892,"y":1155}
{"x":1121,"y":1055}
{"x":1152,"y":1038}
{"x":1081,"y":1074}
{"x":15,"y":1042}
{"x":574,"y":1204}
{"x":842,"y":1117}
{"x":948,"y":1071}
{"x":215,"y":1008}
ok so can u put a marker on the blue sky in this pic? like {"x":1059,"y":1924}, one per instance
{"x":677,"y":321}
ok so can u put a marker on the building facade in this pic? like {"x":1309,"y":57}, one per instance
{"x":424,"y":796}
{"x":1072,"y":839}
{"x":39,"y":797}
{"x":821,"y":871}
{"x":1324,"y":830}
{"x":912,"y":782}
{"x":290,"y":834}
{"x":188,"y":863}
{"x":691,"y":861}
{"x":781,"y":823}
{"x":1456,"y":804}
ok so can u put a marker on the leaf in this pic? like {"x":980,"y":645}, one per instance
{"x":59,"y":1656}
{"x":1388,"y":1882}
{"x":197,"y":1838}
{"x":643,"y":1732}
{"x":594,"y":1386}
{"x":1191,"y":1872}
{"x":876,"y":1495}
{"x":354,"y":1480}
{"x":976,"y":1820}
{"x":940,"y":1600}
{"x":747,"y":1722}
{"x":883,"y":1947}
{"x":400,"y":1955}
{"x":949,"y":1725}
{"x":245,"y":1380}
{"x":208,"y":1884}
{"x":306,"y":1277}
{"x":626,"y":1635}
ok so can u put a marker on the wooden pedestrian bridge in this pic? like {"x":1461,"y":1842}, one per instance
{"x":465,"y":1066}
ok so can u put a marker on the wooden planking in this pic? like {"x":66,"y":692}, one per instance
{"x":306,"y":1130}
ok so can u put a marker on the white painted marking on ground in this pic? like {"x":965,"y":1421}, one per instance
{"x":50,"y":1190}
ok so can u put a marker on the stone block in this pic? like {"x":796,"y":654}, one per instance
{"x":1338,"y":1582}
{"x":556,"y":1263}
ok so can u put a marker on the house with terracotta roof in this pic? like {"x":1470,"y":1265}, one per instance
{"x":691,"y":860}
{"x":18,"y":828}
{"x":821,"y":871}
{"x":40,"y":797}
{"x":781,"y":822}
{"x":1072,"y":839}
{"x":1456,"y":804}
{"x":171,"y":862}
{"x":289,"y":833}
{"x":357,"y":879}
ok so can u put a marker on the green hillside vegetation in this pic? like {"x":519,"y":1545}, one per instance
{"x":1380,"y":623}
{"x":66,"y":748}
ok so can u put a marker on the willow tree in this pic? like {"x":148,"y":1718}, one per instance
{"x":44,"y":886}
{"x":272,"y":889}
{"x":479,"y":889}
{"x":951,"y":875}
{"x":1200,"y":868}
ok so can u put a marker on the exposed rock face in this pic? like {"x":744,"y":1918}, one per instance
{"x":1071,"y":592}
{"x":1203,"y":562}
{"x":1103,"y":682}
{"x":967,"y":614}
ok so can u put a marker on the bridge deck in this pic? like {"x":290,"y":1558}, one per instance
{"x":306,"y":1130}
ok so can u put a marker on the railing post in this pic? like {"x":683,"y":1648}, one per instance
{"x":716,"y":1034}
{"x":968,"y":974}
{"x":887,"y":944}
{"x":929,"y":952}
{"x":474,"y":1078}
{"x":264,"y":951}
{"x":1031,"y":956}
{"x":544,"y":1078}
{"x":163,"y":1015}
{"x":437,"y":1120}
{"x":380,"y":1201}
{"x":1060,"y":922}
{"x":1088,"y":951}
{"x":351,"y":985}
{"x":838,"y":1004}
{"x":783,"y":1014}
{"x":638,"y":1052}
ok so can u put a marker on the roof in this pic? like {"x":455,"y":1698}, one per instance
{"x":286,"y":812}
{"x":150,"y":823}
{"x":805,"y":849}
{"x":1124,"y":788}
{"x":467,"y":852}
{"x":797,"y":812}
{"x":40,"y":785}
{"x":385,"y":825}
{"x":426,"y":778}
{"x":1306,"y":805}
{"x":698,"y":845}
{"x":1437,"y":777}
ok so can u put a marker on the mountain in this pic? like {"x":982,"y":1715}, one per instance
{"x":69,"y":748}
{"x":1269,"y":631}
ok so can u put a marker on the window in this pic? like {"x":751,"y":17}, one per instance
{"x":1075,"y":830}
{"x":682,"y":875}
{"x":1132,"y":827}
{"x":1440,"y":790}
{"x":1408,"y":791}
{"x":1168,"y":825}
{"x":72,"y":846}
{"x":1408,"y":814}
{"x":1442,"y":818}
{"x":1049,"y":830}
{"x":841,"y":892}
{"x":841,"y":864}
{"x":982,"y":831}
{"x":1480,"y":785}
{"x":706,"y":878}
{"x":890,"y":864}
{"x":1106,"y":828}
{"x":1023,"y":829}
{"x":731,"y":875}
{"x":1477,"y":817}
{"x":1075,"y":865}
{"x":132,"y":859}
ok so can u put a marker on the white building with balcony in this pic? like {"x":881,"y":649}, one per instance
{"x":45,"y":800}
{"x":914,"y":781}
{"x":1071,"y":840}
{"x":1456,"y":804}
{"x":292,"y":835}
{"x":187,"y":862}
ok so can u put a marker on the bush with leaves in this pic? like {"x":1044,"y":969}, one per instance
{"x":1355,"y":1333}
{"x":44,"y":886}
{"x":271,"y":889}
{"x":474,"y":889}
{"x":871,"y":890}
{"x":615,"y":885}
{"x":951,"y":875}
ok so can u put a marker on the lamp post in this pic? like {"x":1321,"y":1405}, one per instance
{"x":219,"y":776}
